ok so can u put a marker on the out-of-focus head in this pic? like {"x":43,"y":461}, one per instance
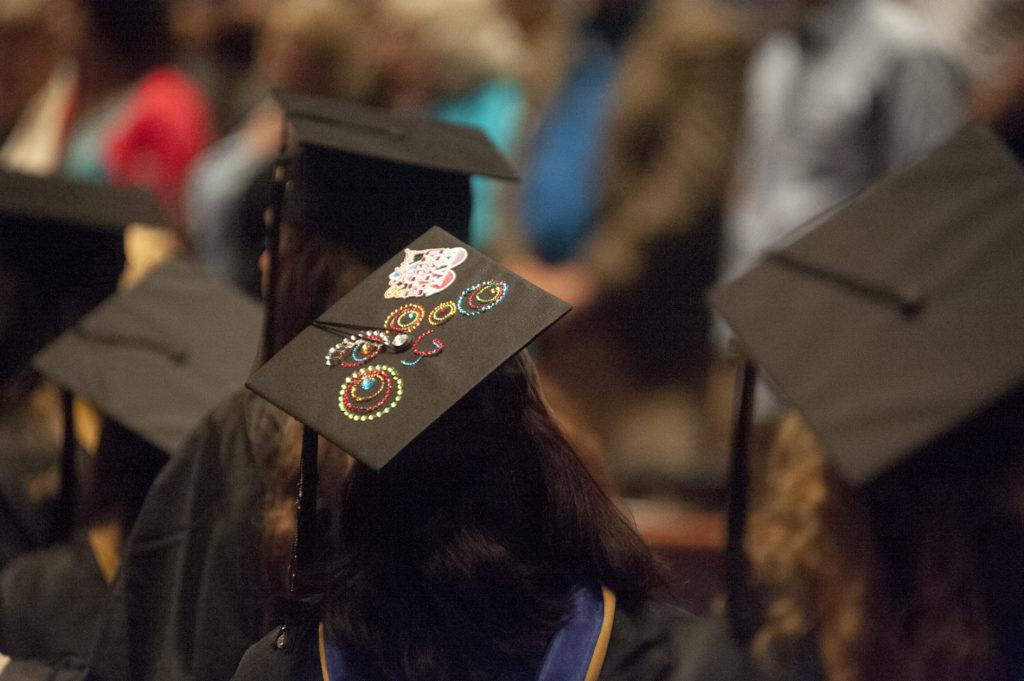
{"x":430,"y":50}
{"x":531,"y":14}
{"x":316,"y":47}
{"x":133,"y":36}
{"x":158,"y":333}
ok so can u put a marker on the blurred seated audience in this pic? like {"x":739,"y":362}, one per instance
{"x":35,"y":87}
{"x":571,"y":78}
{"x":997,"y":99}
{"x":215,"y":43}
{"x":309,"y":47}
{"x":460,"y":61}
{"x":134,"y":119}
{"x":637,"y":278}
{"x":851,"y":90}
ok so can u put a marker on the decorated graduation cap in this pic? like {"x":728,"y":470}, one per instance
{"x":405,"y":345}
{"x":61,"y":253}
{"x":375,"y":179}
{"x":155,"y":358}
{"x":381,"y":365}
{"x":896,"y":319}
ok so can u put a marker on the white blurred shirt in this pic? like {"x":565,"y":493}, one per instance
{"x":859,"y":90}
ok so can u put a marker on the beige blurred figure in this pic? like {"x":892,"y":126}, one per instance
{"x":315,"y":47}
{"x":432,"y":51}
{"x":307,"y":46}
{"x":460,"y":61}
{"x":35,"y":86}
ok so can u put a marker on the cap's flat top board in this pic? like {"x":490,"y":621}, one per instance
{"x":299,"y":381}
{"x":398,"y":137}
{"x":873,"y":380}
{"x":158,"y":357}
{"x":59,"y":201}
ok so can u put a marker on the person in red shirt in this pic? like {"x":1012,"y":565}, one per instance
{"x":135,"y":119}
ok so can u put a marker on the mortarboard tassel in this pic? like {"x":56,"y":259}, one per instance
{"x":740,"y":601}
{"x":306,"y":534}
{"x":272,"y":224}
{"x":64,"y":518}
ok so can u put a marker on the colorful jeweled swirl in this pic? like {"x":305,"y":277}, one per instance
{"x":354,"y":351}
{"x":442,"y":313}
{"x":438,"y":346}
{"x":370,"y":393}
{"x":406,"y":318}
{"x":482,"y":297}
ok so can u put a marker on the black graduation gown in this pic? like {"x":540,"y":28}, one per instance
{"x":49,"y":605}
{"x":654,"y":642}
{"x":185,"y":605}
{"x":27,"y":449}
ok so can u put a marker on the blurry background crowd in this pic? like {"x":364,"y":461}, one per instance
{"x":661,"y":146}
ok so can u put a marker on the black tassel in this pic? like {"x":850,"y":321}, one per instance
{"x":64,"y":518}
{"x":744,"y":616}
{"x":305,"y":548}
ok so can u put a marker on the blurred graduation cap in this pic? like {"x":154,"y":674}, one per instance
{"x":894,"y":320}
{"x":375,"y":179}
{"x":62,"y":204}
{"x":378,"y":179}
{"x":382,"y":364}
{"x":61,"y":253}
{"x":156,"y":358}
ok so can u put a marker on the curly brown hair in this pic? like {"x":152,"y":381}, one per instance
{"x":878,"y":595}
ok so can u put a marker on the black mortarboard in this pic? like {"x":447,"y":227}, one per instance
{"x":897,"y":318}
{"x":67,"y":205}
{"x":453,"y":315}
{"x":379,"y":178}
{"x":372,"y":179}
{"x":61,"y":253}
{"x":157,"y":357}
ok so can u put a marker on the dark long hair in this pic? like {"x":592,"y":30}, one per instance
{"x":456,"y":560}
{"x":314,"y":271}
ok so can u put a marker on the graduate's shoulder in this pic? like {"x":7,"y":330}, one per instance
{"x":657,"y":641}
